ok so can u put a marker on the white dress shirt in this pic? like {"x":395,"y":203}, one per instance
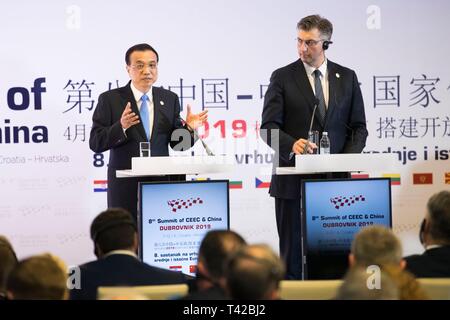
{"x":323,"y":79}
{"x":137,"y":97}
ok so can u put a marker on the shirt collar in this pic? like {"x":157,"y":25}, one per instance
{"x":138,"y":94}
{"x":124,"y":252}
{"x":310,"y":69}
{"x":432,"y":246}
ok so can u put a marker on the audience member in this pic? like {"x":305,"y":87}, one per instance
{"x":435,"y":237}
{"x":357,"y":286}
{"x":115,"y":239}
{"x":378,"y":246}
{"x":8,"y":261}
{"x":216,"y":248}
{"x":254,"y":273}
{"x":37,"y":278}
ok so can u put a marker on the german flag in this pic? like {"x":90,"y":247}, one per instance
{"x":447,"y":178}
{"x":395,"y":178}
{"x":422,"y":178}
{"x":235,"y":184}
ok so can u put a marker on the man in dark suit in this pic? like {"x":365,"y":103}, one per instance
{"x":254,"y":273}
{"x":115,"y":240}
{"x":435,"y":236}
{"x":139,"y":112}
{"x":311,"y":83}
{"x":215,"y":250}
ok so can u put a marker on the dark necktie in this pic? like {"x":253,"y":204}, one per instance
{"x":319,"y":95}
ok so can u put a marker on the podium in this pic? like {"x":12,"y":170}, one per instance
{"x":316,"y":264}
{"x":174,"y":165}
{"x":173,"y":212}
{"x":348,"y":162}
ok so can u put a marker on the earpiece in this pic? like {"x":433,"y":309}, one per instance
{"x":326,"y":44}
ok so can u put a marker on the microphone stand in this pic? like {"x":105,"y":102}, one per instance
{"x":305,"y":150}
{"x":196,"y":136}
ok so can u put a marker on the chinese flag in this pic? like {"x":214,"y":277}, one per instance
{"x":422,"y":178}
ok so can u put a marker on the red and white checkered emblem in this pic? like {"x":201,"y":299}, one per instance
{"x":180,"y":204}
{"x":340,"y":201}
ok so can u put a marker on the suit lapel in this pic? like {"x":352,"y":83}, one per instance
{"x":333,"y":90}
{"x":302,"y":80}
{"x":156,"y":110}
{"x":136,"y":131}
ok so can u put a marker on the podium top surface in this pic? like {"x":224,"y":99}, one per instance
{"x":349,"y":162}
{"x":160,"y":166}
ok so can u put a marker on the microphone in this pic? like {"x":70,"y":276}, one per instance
{"x":196,"y":136}
{"x":316,"y":103}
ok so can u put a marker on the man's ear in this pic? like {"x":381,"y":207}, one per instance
{"x":403,"y":264}
{"x":201,"y":268}
{"x":9,"y":295}
{"x":136,"y":243}
{"x":351,"y":260}
{"x":97,"y":251}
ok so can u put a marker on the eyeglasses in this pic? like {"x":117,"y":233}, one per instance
{"x":140,"y":66}
{"x":309,"y":43}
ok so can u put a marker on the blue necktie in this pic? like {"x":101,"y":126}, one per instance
{"x":319,"y":95}
{"x":145,"y":116}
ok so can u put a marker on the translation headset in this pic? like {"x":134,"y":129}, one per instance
{"x":326,"y":44}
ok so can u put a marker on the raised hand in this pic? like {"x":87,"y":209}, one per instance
{"x":129,"y":118}
{"x":195,"y":121}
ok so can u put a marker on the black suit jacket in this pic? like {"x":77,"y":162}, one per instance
{"x":288,"y":107}
{"x":107,"y":134}
{"x":121,"y":270}
{"x":433,"y":263}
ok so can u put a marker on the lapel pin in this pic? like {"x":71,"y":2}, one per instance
{"x":338,"y":75}
{"x":161,"y":102}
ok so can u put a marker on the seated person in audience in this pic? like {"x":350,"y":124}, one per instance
{"x":435,"y":237}
{"x":115,"y":239}
{"x":254,"y":273}
{"x":38,"y":278}
{"x":378,"y":246}
{"x":216,"y":248}
{"x":355,"y":286}
{"x":8,"y":261}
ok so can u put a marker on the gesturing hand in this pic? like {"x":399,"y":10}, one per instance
{"x":195,"y":121}
{"x":129,"y":118}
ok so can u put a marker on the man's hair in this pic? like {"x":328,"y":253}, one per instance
{"x":355,"y":286}
{"x":38,"y":277}
{"x":254,"y":272}
{"x":376,"y":245}
{"x":8,"y":261}
{"x":216,"y":248}
{"x":139,"y":47}
{"x":439,"y":211}
{"x":324,"y":26}
{"x":113,"y":229}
